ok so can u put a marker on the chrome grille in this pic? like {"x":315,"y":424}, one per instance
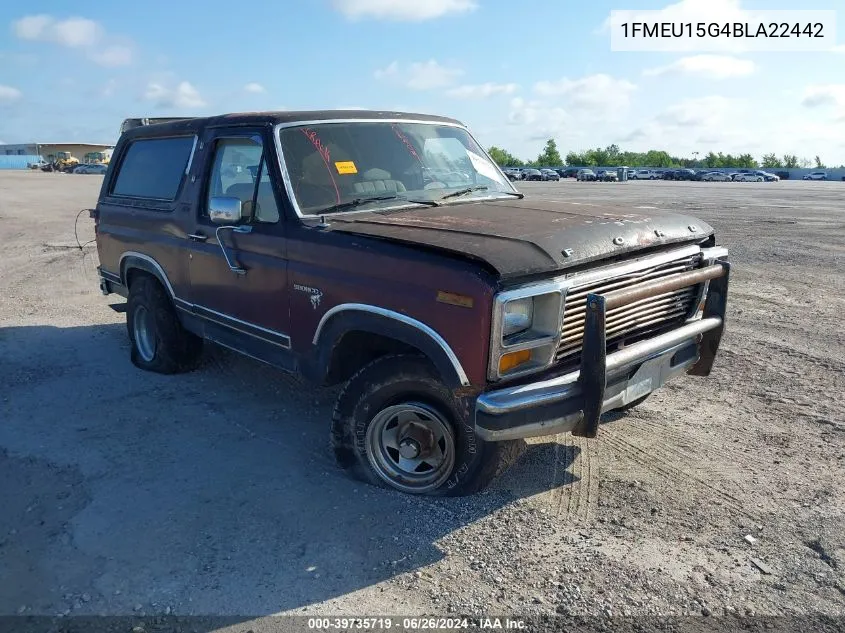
{"x":631,"y":321}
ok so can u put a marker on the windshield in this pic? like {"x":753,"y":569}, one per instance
{"x":342,"y":165}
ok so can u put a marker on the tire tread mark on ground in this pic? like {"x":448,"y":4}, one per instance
{"x":659,"y":465}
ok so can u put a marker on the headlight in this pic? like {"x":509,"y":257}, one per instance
{"x":525,"y":330}
{"x":518,"y":316}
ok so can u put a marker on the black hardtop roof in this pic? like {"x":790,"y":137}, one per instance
{"x":184,"y":125}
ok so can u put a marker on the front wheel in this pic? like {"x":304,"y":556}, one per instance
{"x":397,"y":425}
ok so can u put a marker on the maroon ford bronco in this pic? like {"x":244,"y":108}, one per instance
{"x":387,"y":251}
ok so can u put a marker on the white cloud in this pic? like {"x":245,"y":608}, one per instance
{"x":403,"y":10}
{"x":419,"y":75}
{"x":183,"y":96}
{"x":77,"y":33}
{"x":254,"y":88}
{"x":32,"y":27}
{"x":112,"y":56}
{"x":591,"y":92}
{"x":482,"y":91}
{"x":713,"y":66}
{"x":824,"y":95}
{"x":73,"y":32}
{"x":9,"y":94}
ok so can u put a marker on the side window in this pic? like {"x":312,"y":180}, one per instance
{"x":153,"y":168}
{"x":239,"y":171}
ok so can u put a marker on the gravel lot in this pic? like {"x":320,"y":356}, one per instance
{"x":125,"y":492}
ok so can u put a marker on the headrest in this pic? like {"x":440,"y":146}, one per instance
{"x":376,"y":174}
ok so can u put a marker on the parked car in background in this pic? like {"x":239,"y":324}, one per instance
{"x":737,"y":172}
{"x":669,"y":174}
{"x":532,"y":174}
{"x":783,"y":175}
{"x":684,"y":174}
{"x":644,"y":174}
{"x":748,"y":177}
{"x":712,"y":176}
{"x":550,"y":174}
{"x":91,"y":169}
{"x":607,"y":175}
{"x":586,"y":175}
{"x":767,"y":176}
{"x":571,"y":172}
{"x":816,"y":175}
{"x":632,"y":174}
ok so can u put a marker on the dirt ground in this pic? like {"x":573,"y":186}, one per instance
{"x":214,"y":492}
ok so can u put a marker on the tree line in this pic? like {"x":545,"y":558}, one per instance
{"x":613,"y":156}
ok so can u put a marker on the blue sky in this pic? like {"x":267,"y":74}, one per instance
{"x":516,"y":72}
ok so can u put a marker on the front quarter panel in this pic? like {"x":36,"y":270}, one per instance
{"x":332,"y":269}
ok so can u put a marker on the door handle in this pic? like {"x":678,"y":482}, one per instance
{"x":197,"y":237}
{"x":233,"y":265}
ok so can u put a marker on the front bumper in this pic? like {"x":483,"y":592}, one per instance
{"x":575,"y":401}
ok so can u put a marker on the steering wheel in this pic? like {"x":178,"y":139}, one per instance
{"x":435,"y":184}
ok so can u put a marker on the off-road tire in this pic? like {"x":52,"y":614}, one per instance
{"x":393,"y":379}
{"x":176,"y":349}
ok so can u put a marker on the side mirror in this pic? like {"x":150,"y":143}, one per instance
{"x":225,"y":210}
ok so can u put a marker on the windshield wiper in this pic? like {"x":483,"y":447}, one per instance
{"x":463,"y":192}
{"x":357,"y":202}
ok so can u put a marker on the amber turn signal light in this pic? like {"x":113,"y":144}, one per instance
{"x":513,"y":359}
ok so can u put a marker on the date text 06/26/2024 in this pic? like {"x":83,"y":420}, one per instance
{"x":738,"y":31}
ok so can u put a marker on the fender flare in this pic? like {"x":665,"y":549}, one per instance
{"x":351,"y":317}
{"x":139,"y":261}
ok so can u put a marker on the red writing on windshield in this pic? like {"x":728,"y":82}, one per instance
{"x":318,"y":144}
{"x":324,"y":153}
{"x":410,"y":146}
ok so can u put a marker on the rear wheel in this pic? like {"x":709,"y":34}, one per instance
{"x":159,"y":342}
{"x":397,"y":425}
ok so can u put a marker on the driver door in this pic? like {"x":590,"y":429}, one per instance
{"x":245,"y":308}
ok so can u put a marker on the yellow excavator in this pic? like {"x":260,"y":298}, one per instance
{"x":62,"y":161}
{"x":97,"y":158}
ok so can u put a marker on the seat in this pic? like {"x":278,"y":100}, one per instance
{"x":377,"y":182}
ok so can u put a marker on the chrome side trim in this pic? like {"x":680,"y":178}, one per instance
{"x":511,"y":399}
{"x":390,"y":314}
{"x":277,"y":141}
{"x":196,"y":309}
{"x":110,"y":276}
{"x":155,"y":264}
{"x":191,"y":156}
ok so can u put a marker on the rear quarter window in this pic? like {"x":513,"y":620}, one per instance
{"x":153,"y":168}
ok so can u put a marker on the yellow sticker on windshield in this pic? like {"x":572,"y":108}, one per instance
{"x":346,"y":167}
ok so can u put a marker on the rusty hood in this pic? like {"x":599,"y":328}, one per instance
{"x":522,"y":237}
